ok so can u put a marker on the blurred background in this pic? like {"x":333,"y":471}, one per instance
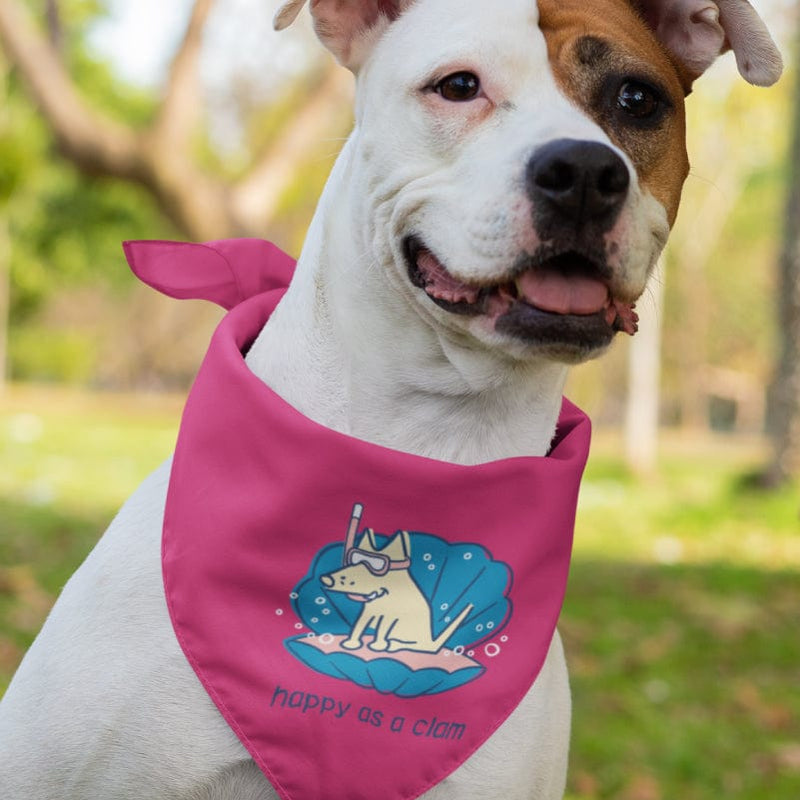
{"x":191,"y":119}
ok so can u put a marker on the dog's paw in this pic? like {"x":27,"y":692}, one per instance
{"x":378,"y":646}
{"x":351,"y":644}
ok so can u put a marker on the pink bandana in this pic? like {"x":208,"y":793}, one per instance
{"x":364,"y":619}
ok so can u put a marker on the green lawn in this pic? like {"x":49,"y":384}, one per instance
{"x":682,"y":621}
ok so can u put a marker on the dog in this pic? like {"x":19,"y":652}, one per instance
{"x":394,"y":605}
{"x":512,"y":177}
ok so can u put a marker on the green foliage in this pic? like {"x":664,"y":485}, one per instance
{"x":66,"y":229}
{"x":36,"y":355}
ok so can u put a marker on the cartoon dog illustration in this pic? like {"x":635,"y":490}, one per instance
{"x":394,"y":605}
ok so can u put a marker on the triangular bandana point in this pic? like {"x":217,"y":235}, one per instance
{"x":331,"y":619}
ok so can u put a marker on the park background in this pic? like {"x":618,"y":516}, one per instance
{"x":193,"y":120}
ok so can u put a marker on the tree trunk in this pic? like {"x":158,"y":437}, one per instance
{"x":644,"y":374}
{"x":785,"y":391}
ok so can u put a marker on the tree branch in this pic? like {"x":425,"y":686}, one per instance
{"x":195,"y":202}
{"x":255,"y":198}
{"x":97,"y":144}
{"x":179,"y":109}
{"x":54,"y":26}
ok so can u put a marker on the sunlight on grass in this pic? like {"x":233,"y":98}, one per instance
{"x":79,"y":452}
{"x":696,"y":509}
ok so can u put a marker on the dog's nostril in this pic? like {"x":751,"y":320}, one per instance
{"x":614,"y":179}
{"x":577,"y":181}
{"x":557,"y":176}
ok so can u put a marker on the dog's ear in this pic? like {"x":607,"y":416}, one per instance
{"x":398,"y":548}
{"x":695,"y":32}
{"x":368,"y":541}
{"x":342,"y":25}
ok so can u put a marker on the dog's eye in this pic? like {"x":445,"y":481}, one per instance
{"x":459,"y":87}
{"x":638,"y":99}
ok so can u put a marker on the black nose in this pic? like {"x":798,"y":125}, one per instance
{"x":579,"y":182}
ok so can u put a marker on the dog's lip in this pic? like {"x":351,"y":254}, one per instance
{"x":366,"y":598}
{"x":566,"y":285}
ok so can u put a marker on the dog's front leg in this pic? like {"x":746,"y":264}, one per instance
{"x":353,"y":642}
{"x":382,"y":631}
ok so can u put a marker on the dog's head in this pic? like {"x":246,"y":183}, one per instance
{"x":519,"y":164}
{"x":370,"y":571}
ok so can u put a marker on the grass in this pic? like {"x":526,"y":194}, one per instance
{"x":682,"y":621}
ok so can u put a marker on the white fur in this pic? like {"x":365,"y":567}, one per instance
{"x":105,"y":706}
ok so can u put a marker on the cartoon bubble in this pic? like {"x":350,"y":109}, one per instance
{"x":492,"y":650}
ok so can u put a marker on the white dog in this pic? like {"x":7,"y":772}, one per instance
{"x":511,"y":180}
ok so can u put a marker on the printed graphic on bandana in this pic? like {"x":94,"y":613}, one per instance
{"x":407,"y":614}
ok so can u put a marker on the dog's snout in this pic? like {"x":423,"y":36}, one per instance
{"x":578,"y":181}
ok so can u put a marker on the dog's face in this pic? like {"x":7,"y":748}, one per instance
{"x":371,"y":571}
{"x":526,"y":177}
{"x":519,"y":164}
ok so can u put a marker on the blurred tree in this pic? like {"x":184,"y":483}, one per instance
{"x":784,"y":413}
{"x":66,"y":215}
{"x":160,"y":155}
{"x":58,"y":229}
{"x":12,"y":170}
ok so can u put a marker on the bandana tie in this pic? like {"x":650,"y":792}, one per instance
{"x":364,"y":619}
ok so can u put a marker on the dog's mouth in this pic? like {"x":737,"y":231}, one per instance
{"x":367,"y":598}
{"x":556,"y":299}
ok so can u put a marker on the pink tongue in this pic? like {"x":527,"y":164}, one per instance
{"x":550,"y":291}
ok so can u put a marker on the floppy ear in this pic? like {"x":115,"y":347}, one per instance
{"x":695,"y":32}
{"x":341,"y":24}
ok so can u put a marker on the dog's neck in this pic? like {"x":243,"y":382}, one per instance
{"x":348,"y":352}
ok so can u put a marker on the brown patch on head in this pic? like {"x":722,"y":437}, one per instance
{"x":602,"y":49}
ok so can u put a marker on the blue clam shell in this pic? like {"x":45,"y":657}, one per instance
{"x":386,"y":675}
{"x":451,"y":576}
